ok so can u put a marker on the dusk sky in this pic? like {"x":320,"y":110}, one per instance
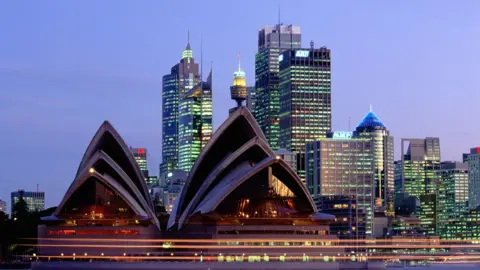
{"x":65,"y":66}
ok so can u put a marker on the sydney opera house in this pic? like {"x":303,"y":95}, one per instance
{"x":237,"y":190}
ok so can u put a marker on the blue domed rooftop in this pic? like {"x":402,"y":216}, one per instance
{"x":371,"y":120}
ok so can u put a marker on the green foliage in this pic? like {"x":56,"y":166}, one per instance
{"x":20,"y":232}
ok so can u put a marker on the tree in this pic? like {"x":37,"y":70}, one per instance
{"x":20,"y":209}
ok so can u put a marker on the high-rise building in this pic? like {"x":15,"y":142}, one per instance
{"x":140,"y":155}
{"x":428,"y":213}
{"x":305,"y":100}
{"x":3,"y":206}
{"x":173,"y":185}
{"x":289,"y":157}
{"x":419,"y":166}
{"x":182,"y":78}
{"x":349,"y":220}
{"x":473,"y":160}
{"x":465,"y":228}
{"x":251,"y":98}
{"x":152,"y":181}
{"x":342,"y":167}
{"x":35,"y":200}
{"x":452,"y":195}
{"x":383,"y":160}
{"x":194,"y":123}
{"x":272,"y":41}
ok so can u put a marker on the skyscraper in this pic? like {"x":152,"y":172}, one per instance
{"x":419,"y":166}
{"x":272,"y":41}
{"x":195,"y":123}
{"x":451,"y":195}
{"x":140,"y":155}
{"x":342,"y":167}
{"x":176,"y":85}
{"x":35,"y":200}
{"x":251,"y":98}
{"x":473,"y":160}
{"x":383,"y":160}
{"x":305,"y":99}
{"x":3,"y":206}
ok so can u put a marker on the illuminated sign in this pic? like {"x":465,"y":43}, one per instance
{"x":342,"y":135}
{"x":169,"y":174}
{"x":302,"y":53}
{"x":280,"y":58}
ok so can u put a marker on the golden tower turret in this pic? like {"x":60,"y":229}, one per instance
{"x":238,"y":91}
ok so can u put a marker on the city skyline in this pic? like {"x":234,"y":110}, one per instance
{"x":46,"y":75}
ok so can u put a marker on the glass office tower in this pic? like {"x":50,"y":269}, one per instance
{"x":251,"y":99}
{"x":305,"y":100}
{"x":35,"y":200}
{"x":140,"y":155}
{"x":195,"y":123}
{"x":452,"y":195}
{"x":182,"y":78}
{"x":343,"y":167}
{"x":384,"y":169}
{"x":272,"y":41}
{"x":473,"y":160}
{"x":419,"y":166}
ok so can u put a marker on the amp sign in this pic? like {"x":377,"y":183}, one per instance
{"x":342,"y":135}
{"x":302,"y":53}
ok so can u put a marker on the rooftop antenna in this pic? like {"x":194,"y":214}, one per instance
{"x":201,"y":57}
{"x":370,"y":107}
{"x":38,"y":188}
{"x":349,"y":120}
{"x":279,"y":21}
{"x":238,"y":61}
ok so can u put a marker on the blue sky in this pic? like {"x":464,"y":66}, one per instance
{"x":65,"y":66}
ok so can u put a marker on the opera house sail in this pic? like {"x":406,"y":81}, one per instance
{"x":238,"y":187}
{"x":108,"y":197}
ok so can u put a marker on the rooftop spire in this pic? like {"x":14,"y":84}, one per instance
{"x":187,"y":53}
{"x":279,"y":21}
{"x":371,"y":107}
{"x":239,"y":70}
{"x":188,"y":40}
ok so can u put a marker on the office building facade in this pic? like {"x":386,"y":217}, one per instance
{"x":251,"y":98}
{"x":473,"y":161}
{"x":182,"y":78}
{"x":305,"y":100}
{"x":3,"y":206}
{"x":419,"y":166}
{"x":428,"y":213}
{"x":342,"y":167}
{"x":194,"y":123}
{"x":452,"y":195}
{"x":35,"y":200}
{"x":349,"y":222}
{"x":383,"y":160}
{"x":272,"y":41}
{"x":140,"y":155}
{"x":289,"y":157}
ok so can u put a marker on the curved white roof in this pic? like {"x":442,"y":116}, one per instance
{"x":239,"y":128}
{"x":107,"y":138}
{"x":236,"y":152}
{"x":110,"y":161}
